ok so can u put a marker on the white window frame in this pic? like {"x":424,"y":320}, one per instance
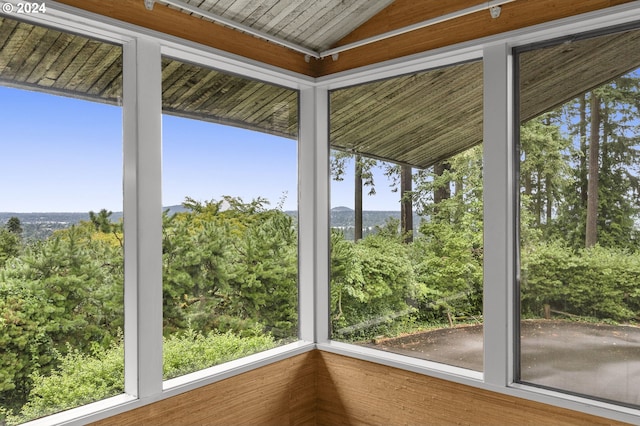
{"x":142,"y":184}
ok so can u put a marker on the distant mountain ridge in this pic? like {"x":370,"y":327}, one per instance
{"x":39,"y":225}
{"x":341,"y":209}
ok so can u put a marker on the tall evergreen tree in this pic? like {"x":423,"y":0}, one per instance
{"x":591,"y":234}
{"x":14,"y":225}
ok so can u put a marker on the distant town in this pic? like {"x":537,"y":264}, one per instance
{"x":39,"y":226}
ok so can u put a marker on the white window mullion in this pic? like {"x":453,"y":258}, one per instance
{"x":142,"y":81}
{"x":306,"y":214}
{"x":322,"y":125}
{"x":498,"y":216}
{"x":314,"y":214}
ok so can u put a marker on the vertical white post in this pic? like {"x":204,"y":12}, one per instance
{"x":306,"y":214}
{"x":314,"y":214}
{"x":142,"y":109}
{"x":498,"y":215}
{"x":322,"y":179}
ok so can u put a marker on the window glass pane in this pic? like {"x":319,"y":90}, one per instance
{"x":61,"y":242}
{"x":406,"y":217}
{"x":230,"y":217}
{"x":579,"y":222}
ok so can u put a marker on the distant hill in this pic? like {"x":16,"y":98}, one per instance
{"x":341,"y":209}
{"x":38,"y":226}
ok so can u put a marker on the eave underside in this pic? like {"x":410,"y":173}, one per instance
{"x":417,"y":119}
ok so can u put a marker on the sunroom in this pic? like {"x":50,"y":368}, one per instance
{"x":213,"y":286}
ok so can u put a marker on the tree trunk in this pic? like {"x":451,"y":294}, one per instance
{"x":357,"y":232}
{"x":528,"y":186}
{"x":406,"y":206}
{"x":591,"y":237}
{"x":583,"y":150}
{"x":441,"y":192}
{"x":549,"y":200}
{"x":538,"y":198}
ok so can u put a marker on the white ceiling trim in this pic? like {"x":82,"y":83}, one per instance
{"x":492,"y":5}
{"x":228,"y":22}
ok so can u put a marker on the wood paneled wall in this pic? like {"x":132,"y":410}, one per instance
{"x":320,"y":388}
{"x":356,"y":392}
{"x":280,"y":394}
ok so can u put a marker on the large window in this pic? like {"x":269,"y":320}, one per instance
{"x":421,"y":268}
{"x":230,"y":263}
{"x":61,"y":235}
{"x":406,"y":216}
{"x":580,"y":216}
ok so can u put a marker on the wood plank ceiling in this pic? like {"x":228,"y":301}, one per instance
{"x":316,"y":25}
{"x":416,"y":119}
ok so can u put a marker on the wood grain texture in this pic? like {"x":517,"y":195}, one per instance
{"x":320,"y":388}
{"x":519,"y":14}
{"x":401,"y":13}
{"x":171,"y":21}
{"x":280,"y":394}
{"x":356,"y":392}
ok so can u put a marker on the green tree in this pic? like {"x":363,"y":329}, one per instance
{"x":101,"y":220}
{"x":14,"y":226}
{"x":447,"y":256}
{"x":544,"y":169}
{"x":230,"y":265}
{"x":65,"y":292}
{"x":10,"y":245}
{"x":363,"y":176}
{"x":370,"y":279}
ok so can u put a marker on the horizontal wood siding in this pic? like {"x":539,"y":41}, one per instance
{"x":356,"y":392}
{"x":280,"y":394}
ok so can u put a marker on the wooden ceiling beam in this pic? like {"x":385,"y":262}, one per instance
{"x":173,"y":22}
{"x":402,"y":13}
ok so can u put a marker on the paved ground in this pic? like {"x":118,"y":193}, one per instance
{"x":593,"y":359}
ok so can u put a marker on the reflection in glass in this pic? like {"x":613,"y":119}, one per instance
{"x":579,"y":216}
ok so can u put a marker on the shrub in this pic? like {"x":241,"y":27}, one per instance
{"x":370,"y":279}
{"x":596,"y":282}
{"x":83,"y":378}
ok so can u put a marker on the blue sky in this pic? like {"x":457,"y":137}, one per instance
{"x":65,"y":155}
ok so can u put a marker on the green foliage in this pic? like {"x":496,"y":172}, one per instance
{"x":14,"y":226}
{"x":60,"y":292}
{"x":369,"y":279}
{"x":84,"y":377}
{"x":24,"y":337}
{"x":230,"y":268}
{"x":596,"y":282}
{"x":79,"y":379}
{"x":192,"y":350}
{"x":449,"y":270}
{"x":10,"y":245}
{"x":618,"y":171}
{"x":101,"y":221}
